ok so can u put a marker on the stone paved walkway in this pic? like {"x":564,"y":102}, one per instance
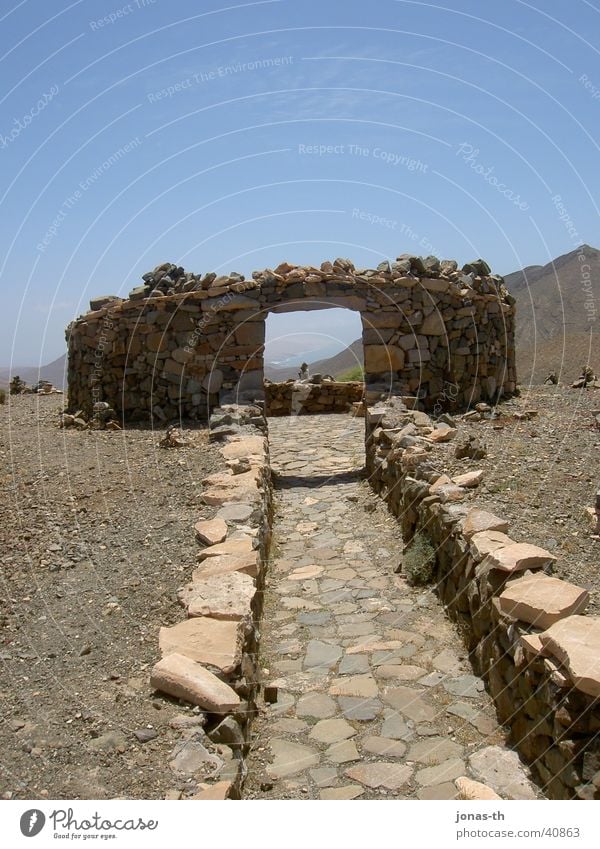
{"x":375,"y":694}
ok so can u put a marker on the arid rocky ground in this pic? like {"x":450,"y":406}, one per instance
{"x":95,"y":538}
{"x":541,"y":473}
{"x":95,"y":541}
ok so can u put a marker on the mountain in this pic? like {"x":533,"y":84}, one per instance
{"x":336,"y":365}
{"x":55,"y":372}
{"x":555,"y":330}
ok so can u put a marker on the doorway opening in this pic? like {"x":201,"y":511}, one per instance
{"x":313,"y":362}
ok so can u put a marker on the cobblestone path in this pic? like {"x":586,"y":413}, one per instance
{"x":375,"y":694}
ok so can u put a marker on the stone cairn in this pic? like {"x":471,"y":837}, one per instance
{"x":183,"y":343}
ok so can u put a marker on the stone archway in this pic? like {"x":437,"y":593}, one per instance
{"x":430,"y":330}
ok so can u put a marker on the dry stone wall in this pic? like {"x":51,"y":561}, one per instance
{"x":524,"y":628}
{"x":209,"y":659}
{"x":181,"y":344}
{"x":297,"y":398}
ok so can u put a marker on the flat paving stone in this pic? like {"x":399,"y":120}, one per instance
{"x":446,"y":790}
{"x":395,"y":727}
{"x":363,"y":710}
{"x":372,"y":676}
{"x":321,"y":617}
{"x":399,"y":672}
{"x":343,"y":752}
{"x":363,"y":686}
{"x":332,"y":731}
{"x":446,"y":771}
{"x":468,"y":686}
{"x":434,"y":750}
{"x":316,"y":705}
{"x":392,"y":776}
{"x":324,"y":776}
{"x":432,"y":679}
{"x":354,"y":664}
{"x":348,"y":791}
{"x":290,"y":758}
{"x":322,"y":654}
{"x":409,"y":703}
{"x":502,"y":770}
{"x":463,"y":710}
{"x":384,"y":746}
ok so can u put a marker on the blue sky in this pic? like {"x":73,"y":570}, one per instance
{"x":232,"y":137}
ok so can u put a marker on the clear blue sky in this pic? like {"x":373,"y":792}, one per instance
{"x":231,"y":137}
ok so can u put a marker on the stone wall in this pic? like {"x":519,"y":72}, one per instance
{"x":523,"y":627}
{"x":209,"y":659}
{"x":181,"y":344}
{"x":295,"y":398}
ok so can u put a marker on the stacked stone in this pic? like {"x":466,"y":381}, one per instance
{"x":171,"y":279}
{"x":298,"y":398}
{"x":523,"y":627}
{"x":156,"y":358}
{"x":181,"y":344}
{"x":210,"y":658}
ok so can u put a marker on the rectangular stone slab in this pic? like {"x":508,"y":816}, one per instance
{"x":235,"y":547}
{"x":211,"y":531}
{"x":244,"y":447}
{"x":209,"y":641}
{"x":542,"y":600}
{"x":516,"y":557}
{"x":227,"y":597}
{"x":246,"y":479}
{"x":575,"y":642}
{"x":476,"y":521}
{"x":248,"y":563}
{"x":483,"y":543}
{"x":217,"y":495}
{"x":183,"y":678}
{"x":532,"y":645}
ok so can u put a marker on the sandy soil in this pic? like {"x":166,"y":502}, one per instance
{"x":94,"y":542}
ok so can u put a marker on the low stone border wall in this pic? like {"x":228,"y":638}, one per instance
{"x":539,"y":657}
{"x":209,"y":659}
{"x":294,"y":398}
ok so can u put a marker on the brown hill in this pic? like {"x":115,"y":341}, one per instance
{"x":555,"y":330}
{"x":55,"y":372}
{"x":348,"y":358}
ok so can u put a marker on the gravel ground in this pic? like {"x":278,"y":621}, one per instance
{"x":541,"y":474}
{"x":96,"y":538}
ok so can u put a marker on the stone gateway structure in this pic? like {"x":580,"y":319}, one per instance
{"x":182,"y":344}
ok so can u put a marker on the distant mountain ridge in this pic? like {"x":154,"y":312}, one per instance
{"x":55,"y":372}
{"x":348,"y":358}
{"x":558,"y":316}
